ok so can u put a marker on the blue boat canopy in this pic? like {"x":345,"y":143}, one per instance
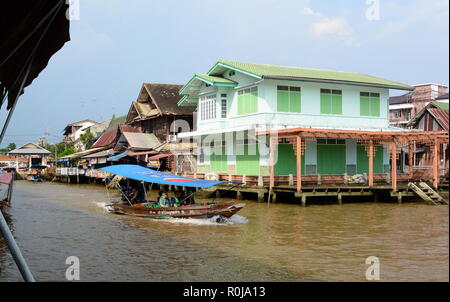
{"x":148,"y":175}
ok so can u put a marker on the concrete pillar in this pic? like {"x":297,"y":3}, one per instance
{"x":261,"y":196}
{"x":260,"y":181}
{"x":399,"y":197}
{"x":291,"y":179}
{"x":274,"y":197}
{"x":238,"y":195}
{"x":303,"y":200}
{"x":339,"y":197}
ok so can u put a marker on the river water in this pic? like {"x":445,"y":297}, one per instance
{"x":280,"y":242}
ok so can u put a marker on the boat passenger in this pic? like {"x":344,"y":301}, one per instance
{"x":140,"y":195}
{"x":175,"y":200}
{"x":189,"y":199}
{"x":164,"y":200}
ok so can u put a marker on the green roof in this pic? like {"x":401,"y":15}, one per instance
{"x":441,"y":105}
{"x":211,"y":80}
{"x":214,"y":80}
{"x":273,"y":71}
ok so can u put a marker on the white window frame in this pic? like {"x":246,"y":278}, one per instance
{"x":207,"y":107}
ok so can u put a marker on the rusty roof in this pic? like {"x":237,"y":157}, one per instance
{"x":141,"y":141}
{"x":441,"y":117}
{"x":166,"y":98}
{"x":438,"y":110}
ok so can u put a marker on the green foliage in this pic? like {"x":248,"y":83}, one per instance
{"x":10,"y":147}
{"x":86,"y":138}
{"x":61,"y":149}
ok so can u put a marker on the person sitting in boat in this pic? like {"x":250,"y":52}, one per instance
{"x":164,"y":200}
{"x":138,"y":195}
{"x":126,"y":193}
{"x":189,"y":200}
{"x":175,"y":200}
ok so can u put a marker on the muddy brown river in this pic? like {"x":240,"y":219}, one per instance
{"x":280,"y":242}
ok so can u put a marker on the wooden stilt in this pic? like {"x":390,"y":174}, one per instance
{"x":394,"y":166}
{"x":371,"y":163}
{"x":272,"y":163}
{"x":410,"y":160}
{"x":436,"y":164}
{"x":299,"y":163}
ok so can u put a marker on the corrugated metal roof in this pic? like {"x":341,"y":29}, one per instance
{"x":438,"y":110}
{"x":441,"y":116}
{"x":105,"y":153}
{"x":82,"y":153}
{"x":141,"y":141}
{"x":268,"y":71}
{"x":29,"y":148}
{"x":106,"y":139}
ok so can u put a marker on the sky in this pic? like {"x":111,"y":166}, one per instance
{"x":116,"y":45}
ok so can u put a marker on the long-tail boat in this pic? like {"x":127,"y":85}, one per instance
{"x":153,"y":210}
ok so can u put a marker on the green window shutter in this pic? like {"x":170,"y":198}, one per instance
{"x":219,"y":160}
{"x":325,"y":103}
{"x":336,"y":104}
{"x":362,"y":160}
{"x":331,"y":159}
{"x":364,"y":106}
{"x":287,"y":160}
{"x":240,"y":104}
{"x":247,"y":102}
{"x":282,"y":101}
{"x":375,"y":106}
{"x":254,"y":102}
{"x":294,"y":101}
{"x":247,"y":164}
{"x":245,"y":99}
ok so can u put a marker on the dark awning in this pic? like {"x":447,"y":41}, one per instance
{"x":30,"y":33}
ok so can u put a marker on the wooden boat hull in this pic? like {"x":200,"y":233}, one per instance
{"x":225,"y":209}
{"x":6,"y":185}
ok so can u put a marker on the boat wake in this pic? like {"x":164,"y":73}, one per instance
{"x":216,"y":220}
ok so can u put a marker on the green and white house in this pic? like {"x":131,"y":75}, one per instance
{"x":235,"y":99}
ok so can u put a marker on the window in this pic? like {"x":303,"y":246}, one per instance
{"x":288,"y":99}
{"x":231,"y":73}
{"x":408,"y":115}
{"x":330,"y":101}
{"x":397,"y":113}
{"x":369,"y":104}
{"x":208,"y":107}
{"x":248,"y":101}
{"x":223,"y":105}
{"x":330,"y":141}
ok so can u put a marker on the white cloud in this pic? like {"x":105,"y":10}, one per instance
{"x":338,"y":27}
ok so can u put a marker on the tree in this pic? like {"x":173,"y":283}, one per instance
{"x":86,"y":138}
{"x":11,"y":146}
{"x":61,"y":149}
